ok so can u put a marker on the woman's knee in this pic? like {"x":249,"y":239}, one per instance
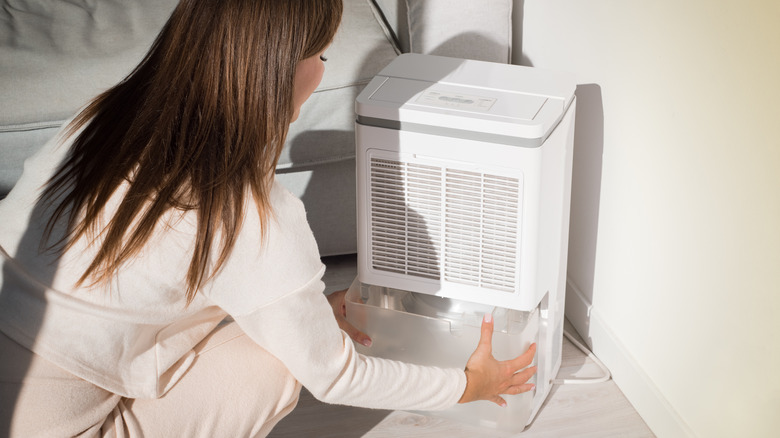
{"x":256,"y":375}
{"x":244,"y":372}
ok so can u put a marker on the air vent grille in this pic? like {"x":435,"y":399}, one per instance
{"x":406,"y":218}
{"x":433,"y":222}
{"x":481,"y":219}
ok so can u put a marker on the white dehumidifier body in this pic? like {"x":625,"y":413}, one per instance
{"x":463,"y":186}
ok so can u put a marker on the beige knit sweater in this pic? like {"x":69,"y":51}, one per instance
{"x":135,"y":336}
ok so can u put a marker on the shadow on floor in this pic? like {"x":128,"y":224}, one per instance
{"x":314,"y":418}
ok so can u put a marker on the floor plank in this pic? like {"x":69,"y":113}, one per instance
{"x":581,"y":410}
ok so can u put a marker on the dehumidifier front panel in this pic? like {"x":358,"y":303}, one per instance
{"x":444,"y":227}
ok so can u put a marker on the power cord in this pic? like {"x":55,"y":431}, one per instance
{"x":607,"y":375}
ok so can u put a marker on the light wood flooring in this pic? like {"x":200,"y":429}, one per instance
{"x":571,"y":410}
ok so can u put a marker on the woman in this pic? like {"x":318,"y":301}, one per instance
{"x":157,"y":216}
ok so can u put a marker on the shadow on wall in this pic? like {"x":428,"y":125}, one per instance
{"x":585,"y":203}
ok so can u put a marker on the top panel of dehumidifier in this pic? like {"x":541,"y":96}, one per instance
{"x":514,"y":102}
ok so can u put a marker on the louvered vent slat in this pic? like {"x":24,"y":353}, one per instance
{"x":435,"y":222}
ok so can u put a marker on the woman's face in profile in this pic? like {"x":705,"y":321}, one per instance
{"x":308,"y":75}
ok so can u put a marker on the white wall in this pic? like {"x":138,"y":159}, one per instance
{"x":676,"y":201}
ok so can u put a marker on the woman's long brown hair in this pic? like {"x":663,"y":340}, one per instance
{"x":198,"y":125}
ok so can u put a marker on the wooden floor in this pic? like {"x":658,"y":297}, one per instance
{"x":571,"y":410}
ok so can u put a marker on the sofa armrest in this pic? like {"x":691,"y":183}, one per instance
{"x":470,"y":29}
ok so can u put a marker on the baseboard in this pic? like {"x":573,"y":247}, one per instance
{"x":629,"y":376}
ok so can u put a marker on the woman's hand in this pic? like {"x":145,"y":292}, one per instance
{"x":487,"y":378}
{"x":339,"y":305}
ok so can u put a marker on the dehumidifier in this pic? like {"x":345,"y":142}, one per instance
{"x":463,"y":186}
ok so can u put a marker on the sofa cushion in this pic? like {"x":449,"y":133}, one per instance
{"x":56,"y":56}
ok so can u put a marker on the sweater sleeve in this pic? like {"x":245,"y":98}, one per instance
{"x":301,"y":331}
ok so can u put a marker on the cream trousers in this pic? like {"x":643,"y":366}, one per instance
{"x":233,"y":389}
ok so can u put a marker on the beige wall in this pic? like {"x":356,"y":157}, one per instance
{"x":676,"y":202}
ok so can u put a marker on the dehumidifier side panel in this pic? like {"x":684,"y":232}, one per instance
{"x":558,"y":163}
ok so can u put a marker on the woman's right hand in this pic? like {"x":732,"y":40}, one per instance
{"x":488,"y":378}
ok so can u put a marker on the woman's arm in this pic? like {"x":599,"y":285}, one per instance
{"x":301,"y":331}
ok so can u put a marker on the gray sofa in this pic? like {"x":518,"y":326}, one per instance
{"x":55,"y":55}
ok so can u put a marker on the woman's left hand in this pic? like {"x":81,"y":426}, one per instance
{"x":337,"y":301}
